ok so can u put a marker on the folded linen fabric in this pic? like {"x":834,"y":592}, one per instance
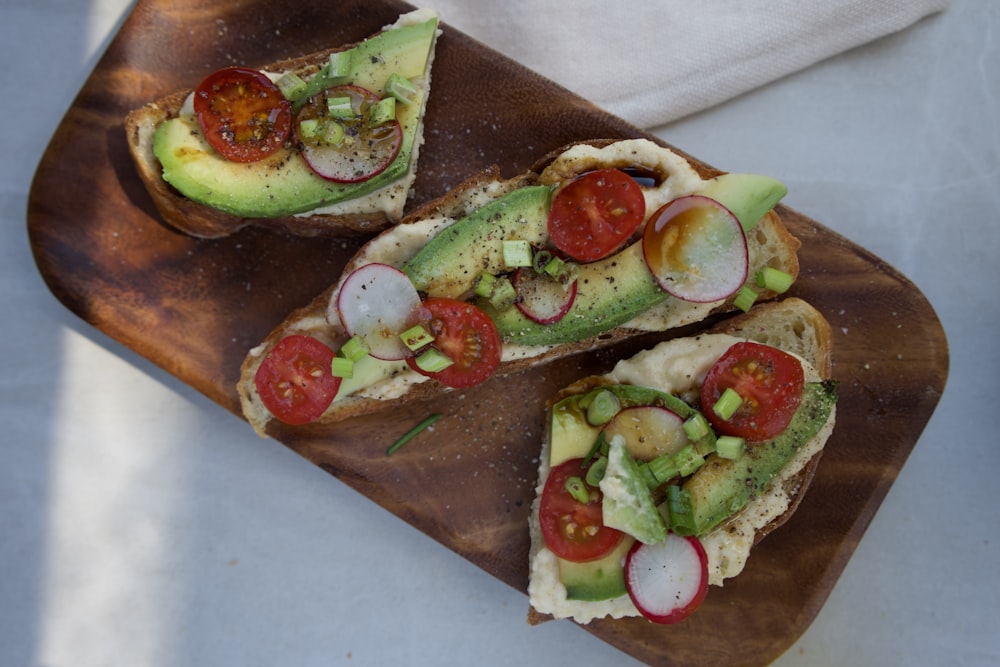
{"x":656,"y":61}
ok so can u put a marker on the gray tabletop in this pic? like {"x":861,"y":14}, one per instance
{"x":142,"y":525}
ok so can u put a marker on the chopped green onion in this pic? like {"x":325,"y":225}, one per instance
{"x":504,"y":295}
{"x":602,"y":408}
{"x":595,"y":473}
{"x":773,"y":279}
{"x":599,"y":448}
{"x":540,"y":260}
{"x":745,"y":298}
{"x":484,"y":285}
{"x":400,"y":88}
{"x":728,"y":403}
{"x":696,"y":427}
{"x":333,"y":133}
{"x":355,"y":348}
{"x":417,"y":337}
{"x":555,"y":267}
{"x":679,"y":510}
{"x":432,"y":360}
{"x":413,"y":432}
{"x":729,"y":446}
{"x":309,"y":127}
{"x":382,"y":112}
{"x":516,"y":253}
{"x":336,"y":71}
{"x":576,"y":488}
{"x":342,"y":367}
{"x":688,"y":460}
{"x":291,"y":85}
{"x":339,"y":107}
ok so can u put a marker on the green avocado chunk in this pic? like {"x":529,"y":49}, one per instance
{"x":721,"y":487}
{"x":449,"y":264}
{"x":283,"y":184}
{"x":601,"y":579}
{"x":628,"y":503}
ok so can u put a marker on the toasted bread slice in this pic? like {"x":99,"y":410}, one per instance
{"x":792,"y":325}
{"x":770,"y":244}
{"x":362,"y":215}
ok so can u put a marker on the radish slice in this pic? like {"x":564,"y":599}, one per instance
{"x":357,"y":151}
{"x":668,"y":580}
{"x":378,"y":302}
{"x":696,"y":249}
{"x":649,"y":431}
{"x":541,"y":298}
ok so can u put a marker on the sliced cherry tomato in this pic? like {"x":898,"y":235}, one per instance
{"x":464,"y":334}
{"x":593,"y":215}
{"x":294,"y":380}
{"x":349,"y":149}
{"x":573,"y":530}
{"x":242,"y":113}
{"x":770,"y":382}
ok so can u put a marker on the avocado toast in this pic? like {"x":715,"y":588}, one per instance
{"x":474,"y":284}
{"x":647,"y":480}
{"x":334,"y":151}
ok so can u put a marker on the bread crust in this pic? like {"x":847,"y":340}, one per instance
{"x":201,"y":221}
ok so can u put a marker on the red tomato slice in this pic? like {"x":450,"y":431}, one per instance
{"x":467,"y":336}
{"x":294,"y":380}
{"x":593,"y":215}
{"x":242,"y":113}
{"x":770,"y":382}
{"x":360,"y":150}
{"x":573,"y":530}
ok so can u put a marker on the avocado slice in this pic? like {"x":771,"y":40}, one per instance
{"x":449,"y":264}
{"x":722,"y":486}
{"x":628,"y":503}
{"x":601,"y":579}
{"x":283,"y":184}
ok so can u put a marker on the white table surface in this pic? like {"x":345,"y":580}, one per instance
{"x":143,"y":525}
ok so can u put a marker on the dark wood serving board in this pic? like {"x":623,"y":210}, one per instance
{"x":195,"y":307}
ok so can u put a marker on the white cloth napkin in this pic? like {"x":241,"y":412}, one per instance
{"x":654,"y":61}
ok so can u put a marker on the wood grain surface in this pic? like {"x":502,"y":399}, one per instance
{"x":195,"y":307}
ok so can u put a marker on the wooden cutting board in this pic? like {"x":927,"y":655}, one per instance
{"x":195,"y":307}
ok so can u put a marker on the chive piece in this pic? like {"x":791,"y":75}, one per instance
{"x":555,"y":267}
{"x":485,"y":284}
{"x":342,"y":367}
{"x":599,"y":448}
{"x":688,"y":460}
{"x":728,"y":403}
{"x":309,"y":127}
{"x":504,"y":295}
{"x":679,"y":510}
{"x":516,"y":253}
{"x":433,"y":360}
{"x":696,"y":427}
{"x":416,"y":337}
{"x":333,"y":133}
{"x":729,"y":446}
{"x":541,"y":259}
{"x":745,"y":298}
{"x":382,"y":112}
{"x":603,"y":407}
{"x":409,"y":435}
{"x":662,"y":468}
{"x":291,"y":85}
{"x":400,"y":88}
{"x":595,"y":473}
{"x":576,"y":488}
{"x":339,"y":107}
{"x":355,"y":348}
{"x":773,"y":279}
